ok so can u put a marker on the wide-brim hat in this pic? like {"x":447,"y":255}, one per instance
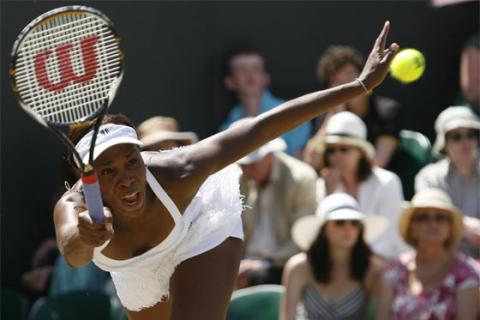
{"x":338,"y":206}
{"x":347,"y":128}
{"x":450,"y":119}
{"x":432,"y":198}
{"x":275,"y":145}
{"x":158,"y":129}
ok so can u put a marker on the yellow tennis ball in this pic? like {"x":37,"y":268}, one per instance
{"x":407,"y":65}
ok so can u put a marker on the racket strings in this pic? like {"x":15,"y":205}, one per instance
{"x":76,"y":101}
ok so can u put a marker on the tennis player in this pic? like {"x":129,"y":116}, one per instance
{"x":172,"y":235}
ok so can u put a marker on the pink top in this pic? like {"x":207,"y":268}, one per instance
{"x":435,"y":303}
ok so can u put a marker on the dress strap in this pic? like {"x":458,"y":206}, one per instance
{"x":163,"y":197}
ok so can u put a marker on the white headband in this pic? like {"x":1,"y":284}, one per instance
{"x":108,"y":135}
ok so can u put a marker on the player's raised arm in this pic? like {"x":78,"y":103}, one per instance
{"x":226,"y":147}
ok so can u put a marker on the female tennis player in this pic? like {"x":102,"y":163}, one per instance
{"x":172,"y":235}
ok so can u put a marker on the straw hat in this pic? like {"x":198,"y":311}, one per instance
{"x":347,"y":128}
{"x":450,"y":119}
{"x":337,"y":206}
{"x":158,"y":129}
{"x":432,"y":198}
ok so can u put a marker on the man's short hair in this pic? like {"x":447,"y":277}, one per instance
{"x":335,"y":58}
{"x":241,"y":51}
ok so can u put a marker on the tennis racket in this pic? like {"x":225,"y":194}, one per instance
{"x":66,"y":66}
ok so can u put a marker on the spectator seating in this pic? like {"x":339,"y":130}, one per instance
{"x":413,"y":154}
{"x":260,"y":302}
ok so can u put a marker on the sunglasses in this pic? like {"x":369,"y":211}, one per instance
{"x":471,"y":135}
{"x":425,"y":217}
{"x":342,"y":149}
{"x":341,"y":223}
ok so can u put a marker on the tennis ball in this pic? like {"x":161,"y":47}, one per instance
{"x":407,"y":65}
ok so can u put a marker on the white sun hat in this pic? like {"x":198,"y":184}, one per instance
{"x":450,"y":119}
{"x":337,"y":206}
{"x":347,"y":128}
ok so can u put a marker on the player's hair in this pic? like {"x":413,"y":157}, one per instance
{"x":334,"y":59}
{"x":76,"y":132}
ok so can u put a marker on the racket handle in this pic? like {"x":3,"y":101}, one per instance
{"x":93,"y":197}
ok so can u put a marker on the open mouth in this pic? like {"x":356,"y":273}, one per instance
{"x":132,"y":199}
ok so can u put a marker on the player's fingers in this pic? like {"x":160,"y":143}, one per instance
{"x":385,"y":30}
{"x":382,"y":37}
{"x":85,"y":221}
{"x":390,"y":53}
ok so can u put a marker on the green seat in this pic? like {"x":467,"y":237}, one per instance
{"x":79,"y":305}
{"x":13,"y":305}
{"x":413,"y":154}
{"x":260,"y":302}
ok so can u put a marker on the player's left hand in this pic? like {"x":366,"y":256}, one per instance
{"x":377,"y":66}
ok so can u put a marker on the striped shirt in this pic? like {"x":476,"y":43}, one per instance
{"x":313,"y":306}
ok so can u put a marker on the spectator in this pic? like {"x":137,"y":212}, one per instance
{"x":342,"y":64}
{"x":337,"y":274}
{"x":161,"y":133}
{"x":458,"y":173}
{"x":470,"y":75}
{"x":278,"y":189}
{"x":348,"y":167}
{"x":248,"y":79}
{"x":435,"y":281}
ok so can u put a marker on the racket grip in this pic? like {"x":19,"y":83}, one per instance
{"x":93,"y":197}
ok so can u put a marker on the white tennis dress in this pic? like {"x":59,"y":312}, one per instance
{"x":213,"y":215}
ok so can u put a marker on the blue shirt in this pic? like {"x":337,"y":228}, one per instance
{"x":295,"y":139}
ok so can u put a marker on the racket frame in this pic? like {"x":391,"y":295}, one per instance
{"x":89,"y":177}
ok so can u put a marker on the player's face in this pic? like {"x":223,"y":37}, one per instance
{"x":121,"y":174}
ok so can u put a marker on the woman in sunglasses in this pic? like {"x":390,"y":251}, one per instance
{"x":458,"y":173}
{"x":336,"y":275}
{"x":435,"y":281}
{"x":348,"y":167}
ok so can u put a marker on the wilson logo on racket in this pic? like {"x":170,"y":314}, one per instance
{"x":67,"y":75}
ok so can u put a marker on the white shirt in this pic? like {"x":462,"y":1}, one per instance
{"x":262,"y":242}
{"x":380,"y":194}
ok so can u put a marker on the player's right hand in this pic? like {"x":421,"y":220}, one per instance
{"x":92,"y":233}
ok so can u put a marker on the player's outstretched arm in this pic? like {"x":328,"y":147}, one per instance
{"x":226,"y":147}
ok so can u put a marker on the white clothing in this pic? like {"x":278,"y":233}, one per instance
{"x":213,"y":215}
{"x":380,"y":194}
